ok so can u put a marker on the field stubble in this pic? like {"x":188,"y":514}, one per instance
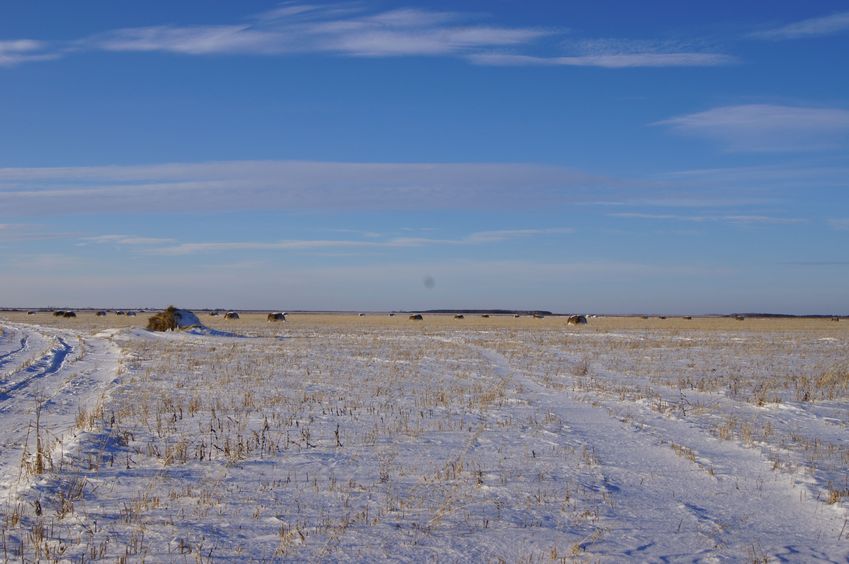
{"x":331,"y":436}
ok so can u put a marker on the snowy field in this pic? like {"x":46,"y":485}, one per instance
{"x":374,"y":438}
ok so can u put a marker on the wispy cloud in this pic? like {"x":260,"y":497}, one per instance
{"x":17,"y":232}
{"x":735,"y":219}
{"x":613,"y":61}
{"x":613,"y":54}
{"x":127,"y":240}
{"x":293,"y":185}
{"x":358,"y":30}
{"x":841,"y":224}
{"x":764,"y":127}
{"x":16,"y":51}
{"x":350,"y":30}
{"x":813,"y":27}
{"x":477,"y":238}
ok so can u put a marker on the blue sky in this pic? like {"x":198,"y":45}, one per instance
{"x":580,"y":157}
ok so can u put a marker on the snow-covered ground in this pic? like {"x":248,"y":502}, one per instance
{"x":365,"y":440}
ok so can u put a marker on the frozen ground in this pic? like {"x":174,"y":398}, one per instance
{"x":331,"y":438}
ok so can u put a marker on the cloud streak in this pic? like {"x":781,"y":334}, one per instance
{"x":17,"y":51}
{"x":477,"y":238}
{"x":765,"y":127}
{"x":813,"y":27}
{"x":354,"y":30}
{"x":728,"y":218}
{"x":240,"y":185}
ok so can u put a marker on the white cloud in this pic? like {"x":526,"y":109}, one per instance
{"x":764,"y":127}
{"x":292,"y":185}
{"x":728,"y":218}
{"x":127,"y":240}
{"x":477,"y":238}
{"x":841,"y":224}
{"x":16,"y":51}
{"x":813,"y":27}
{"x":610,"y":61}
{"x":356,"y":30}
{"x":311,"y":29}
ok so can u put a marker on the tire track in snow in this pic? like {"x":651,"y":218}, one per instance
{"x":49,"y":364}
{"x":661,"y":503}
{"x":6,"y":358}
{"x":48,"y":382}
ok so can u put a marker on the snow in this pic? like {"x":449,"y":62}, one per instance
{"x":386,"y":441}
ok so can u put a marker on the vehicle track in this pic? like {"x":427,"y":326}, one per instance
{"x":48,"y":364}
{"x":73,"y":372}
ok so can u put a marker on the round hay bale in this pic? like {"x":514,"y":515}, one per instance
{"x":173,"y":318}
{"x":577,"y":320}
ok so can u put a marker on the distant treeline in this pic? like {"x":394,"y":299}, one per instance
{"x":488,"y":311}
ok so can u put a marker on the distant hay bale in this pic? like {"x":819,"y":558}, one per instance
{"x":577,"y":320}
{"x":69,"y":314}
{"x":231,"y":315}
{"x":276,"y":316}
{"x":416,"y":317}
{"x":459,"y":316}
{"x":172,"y":319}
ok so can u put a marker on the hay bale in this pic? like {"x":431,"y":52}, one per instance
{"x":172,"y":319}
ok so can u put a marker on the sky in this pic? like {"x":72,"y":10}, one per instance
{"x":594,"y":157}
